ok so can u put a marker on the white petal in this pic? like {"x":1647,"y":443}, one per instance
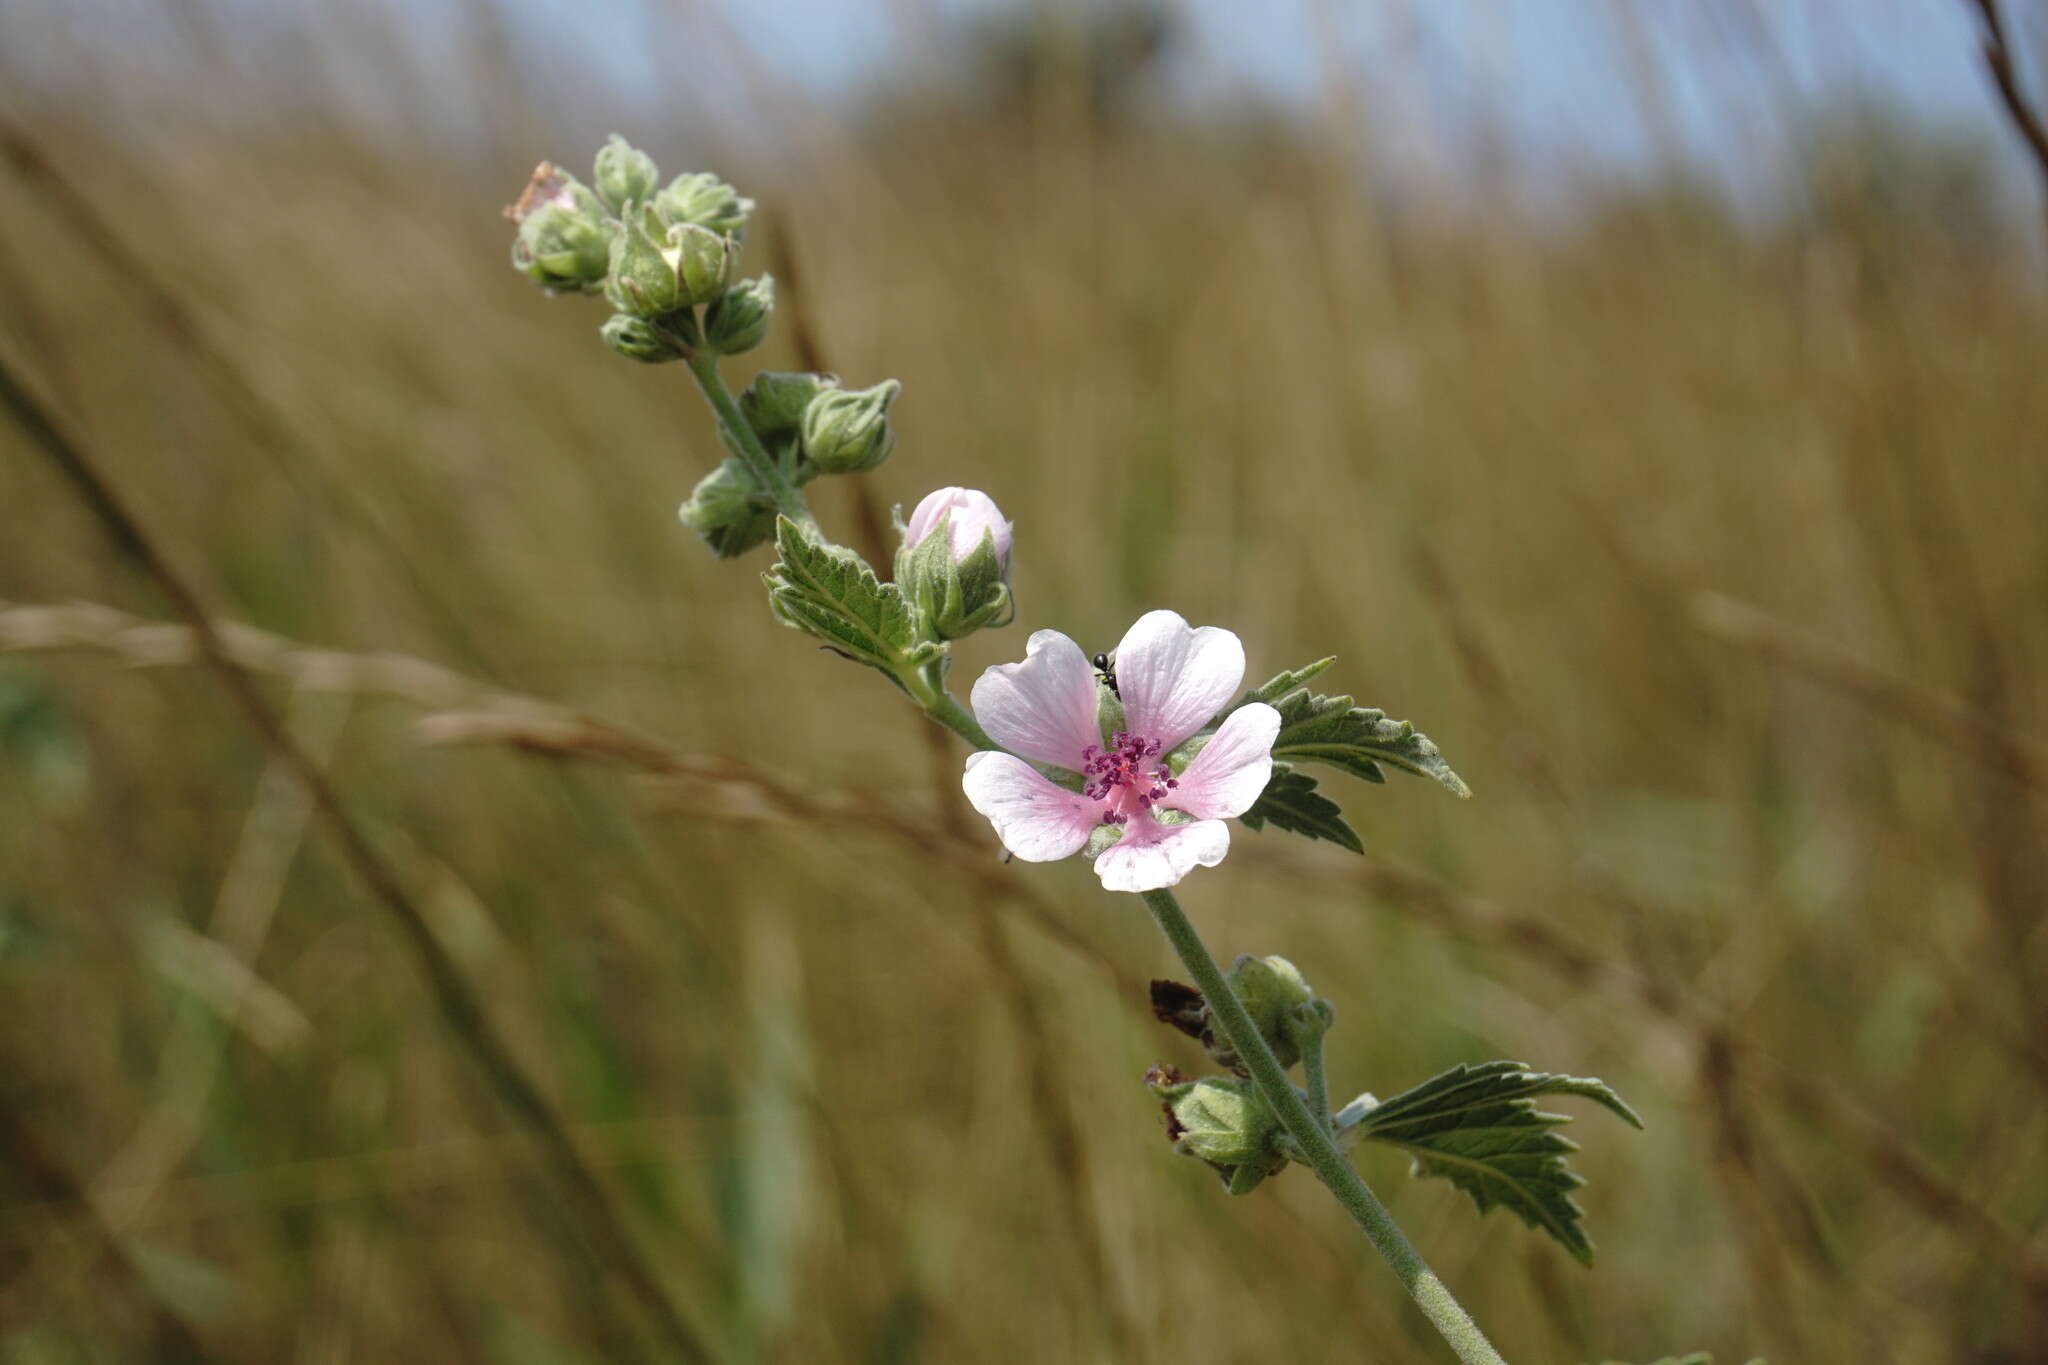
{"x":1037,"y":821}
{"x":1044,"y":707}
{"x":1174,"y":678}
{"x":1233,"y":767}
{"x":1152,"y":855}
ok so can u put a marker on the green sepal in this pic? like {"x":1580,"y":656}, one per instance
{"x":624,"y":175}
{"x":1291,"y":802}
{"x":774,"y":403}
{"x":651,"y":341}
{"x":1479,"y":1128}
{"x":730,"y":510}
{"x":847,"y":431}
{"x":702,"y":198}
{"x":830,"y":592}
{"x":953,"y":600}
{"x":642,"y":278}
{"x":738,"y":319}
{"x":1223,"y":1121}
{"x":703,"y":261}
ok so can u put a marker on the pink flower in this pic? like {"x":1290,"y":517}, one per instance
{"x":973,"y":512}
{"x":1172,"y":678}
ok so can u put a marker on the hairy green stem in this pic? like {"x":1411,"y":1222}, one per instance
{"x":759,"y":462}
{"x":1313,"y":1137}
{"x":928,"y":686}
{"x":1310,"y":1041}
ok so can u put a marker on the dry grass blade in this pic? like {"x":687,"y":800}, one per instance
{"x":464,"y":1014}
{"x":1936,"y":713}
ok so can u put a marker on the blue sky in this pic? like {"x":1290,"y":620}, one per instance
{"x":1600,"y":86}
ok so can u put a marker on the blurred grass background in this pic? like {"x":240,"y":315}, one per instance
{"x":1702,"y":527}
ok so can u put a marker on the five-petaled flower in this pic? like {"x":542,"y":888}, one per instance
{"x":1172,"y":680}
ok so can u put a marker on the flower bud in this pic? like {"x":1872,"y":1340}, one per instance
{"x":774,"y":403}
{"x":846,"y":431}
{"x":703,"y":262}
{"x":738,"y":319}
{"x":954,"y":563}
{"x":561,"y":242}
{"x":968,"y":515}
{"x":1221,"y":1120}
{"x":702,"y":198}
{"x":641,"y":339}
{"x":624,"y":175}
{"x":1277,"y":998}
{"x":642,"y":279}
{"x":730,"y":510}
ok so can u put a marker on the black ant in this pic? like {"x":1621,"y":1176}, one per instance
{"x":1105,"y":672}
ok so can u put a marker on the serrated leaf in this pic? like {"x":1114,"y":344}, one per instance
{"x":830,"y":592}
{"x":1479,"y":1128}
{"x":1291,"y":802}
{"x":1280,"y":684}
{"x":1357,"y":739}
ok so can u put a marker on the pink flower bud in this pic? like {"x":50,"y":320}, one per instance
{"x":972,"y":513}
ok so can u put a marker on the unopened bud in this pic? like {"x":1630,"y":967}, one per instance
{"x":1272,"y":991}
{"x":730,"y":510}
{"x":1221,"y":1120}
{"x":703,"y":262}
{"x":642,"y":339}
{"x":738,"y":319}
{"x":642,"y":279}
{"x":846,"y":431}
{"x":774,"y":403}
{"x":702,"y":198}
{"x":624,"y":175}
{"x":955,"y":562}
{"x":561,"y":242}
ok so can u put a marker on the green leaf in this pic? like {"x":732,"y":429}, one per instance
{"x":1291,"y":802}
{"x":830,"y":592}
{"x":1696,"y":1358}
{"x":1281,"y":684}
{"x":1357,"y":739}
{"x":1479,"y":1128}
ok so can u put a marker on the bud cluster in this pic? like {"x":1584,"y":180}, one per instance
{"x":664,"y":257}
{"x":1222,"y":1119}
{"x":656,"y":253}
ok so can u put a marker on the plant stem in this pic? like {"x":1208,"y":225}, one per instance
{"x":928,"y":686}
{"x":1315,"y":1141}
{"x":759,"y":462}
{"x":1310,"y":1041}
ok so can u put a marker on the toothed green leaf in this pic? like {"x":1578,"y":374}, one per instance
{"x":1357,"y":739}
{"x":1280,"y":684}
{"x":1479,"y":1128}
{"x":830,"y":592}
{"x":1291,"y":802}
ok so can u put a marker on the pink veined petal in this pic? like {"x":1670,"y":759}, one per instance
{"x":1037,"y":821}
{"x":1233,"y":767}
{"x":1173,"y":678}
{"x":1044,"y":707}
{"x":1152,"y":855}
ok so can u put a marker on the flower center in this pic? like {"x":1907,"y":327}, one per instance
{"x":1121,"y":777}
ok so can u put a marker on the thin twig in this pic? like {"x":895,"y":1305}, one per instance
{"x":601,"y":1222}
{"x":2019,"y":111}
